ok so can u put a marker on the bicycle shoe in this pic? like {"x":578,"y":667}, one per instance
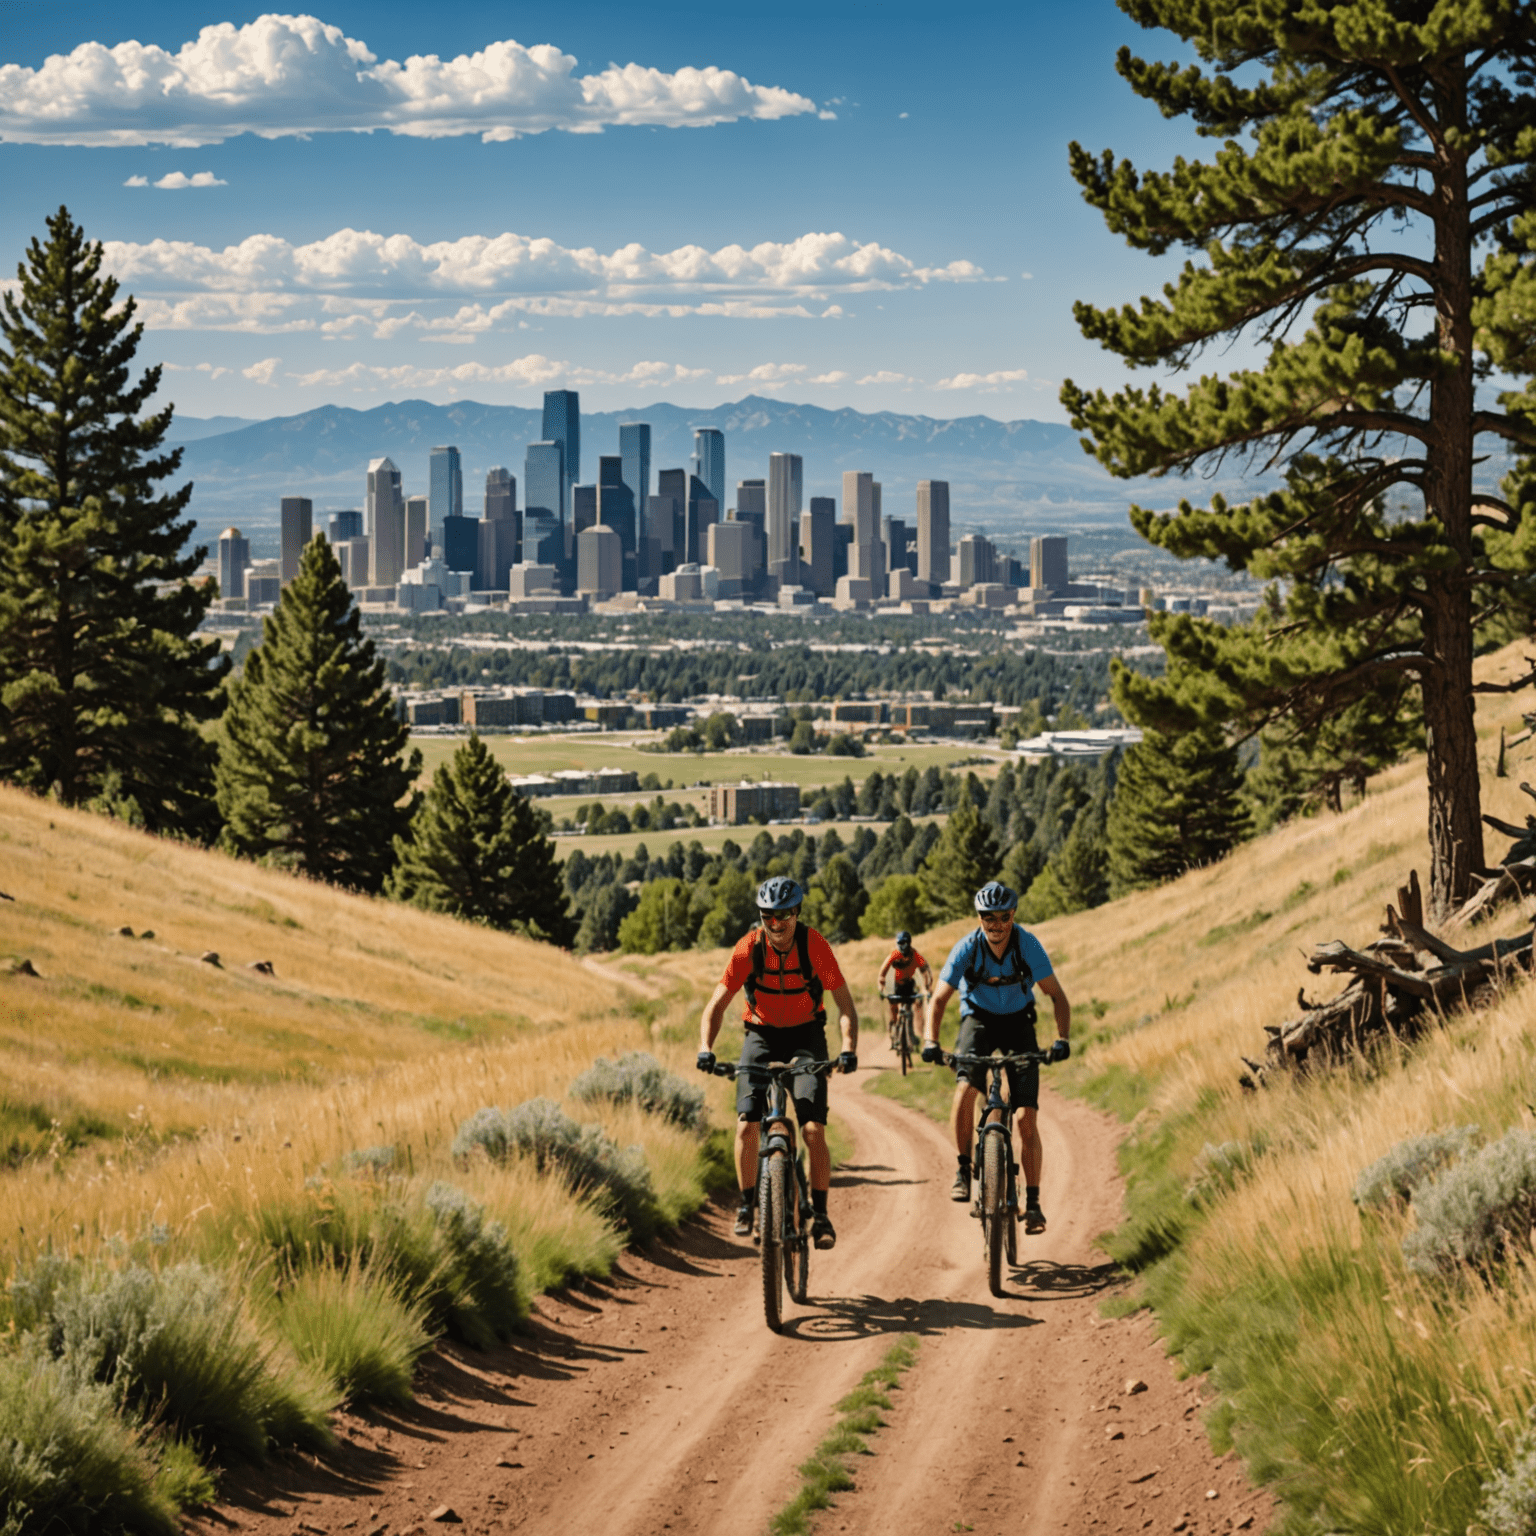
{"x":1034,"y":1220}
{"x":822,"y":1232}
{"x":960,"y":1190}
{"x":743,"y":1227}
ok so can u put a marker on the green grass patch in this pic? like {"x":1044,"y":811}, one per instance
{"x":30,"y":1130}
{"x":830,"y":1469}
{"x":929,"y":1090}
{"x":1224,"y":931}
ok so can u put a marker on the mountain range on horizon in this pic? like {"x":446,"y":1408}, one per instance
{"x":1008,"y":478}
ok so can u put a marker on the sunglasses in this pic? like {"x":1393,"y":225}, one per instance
{"x":996,"y":919}
{"x":776,"y":919}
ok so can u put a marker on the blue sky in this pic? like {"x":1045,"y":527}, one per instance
{"x":853,"y":227}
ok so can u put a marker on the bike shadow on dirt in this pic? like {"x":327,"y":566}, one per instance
{"x":1049,"y":1280}
{"x":846,"y":1175}
{"x":837,"y":1319}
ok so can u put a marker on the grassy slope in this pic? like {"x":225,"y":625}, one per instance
{"x":1376,"y":1400}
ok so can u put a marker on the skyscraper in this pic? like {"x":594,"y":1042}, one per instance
{"x":599,"y":561}
{"x":583,"y":508}
{"x":861,"y":510}
{"x":542,"y":481}
{"x":672,"y":485}
{"x":703,"y":509}
{"x":1048,"y":562}
{"x":297,"y":515}
{"x":616,"y":500}
{"x":417,"y":524}
{"x":500,"y":494}
{"x":635,"y":451}
{"x":344,"y":526}
{"x":817,"y":536}
{"x":562,"y":424}
{"x":461,"y":543}
{"x":709,"y":461}
{"x":933,"y":531}
{"x":386,"y":523}
{"x":785,"y":485}
{"x":234,"y":557}
{"x":977,"y":560}
{"x":445,"y":489}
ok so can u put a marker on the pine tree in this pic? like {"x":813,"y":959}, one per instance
{"x":1363,"y":223}
{"x":103,"y":679}
{"x":1178,"y":804}
{"x":310,"y":774}
{"x":960,"y":863}
{"x":479,"y":850}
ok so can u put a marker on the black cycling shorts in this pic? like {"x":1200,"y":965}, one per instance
{"x":808,"y":1090}
{"x":904,"y":989}
{"x":982,"y":1033}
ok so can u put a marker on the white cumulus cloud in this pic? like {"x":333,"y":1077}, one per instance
{"x":137,"y":181}
{"x":262,"y":372}
{"x":534,"y":370}
{"x":280,"y":76}
{"x":837,"y":376}
{"x":265,"y":282}
{"x":985,"y":383}
{"x":766,"y":375}
{"x":885,"y":376}
{"x":176,"y":181}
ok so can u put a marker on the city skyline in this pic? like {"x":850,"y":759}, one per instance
{"x":825,"y":173}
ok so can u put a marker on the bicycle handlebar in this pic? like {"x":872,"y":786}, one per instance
{"x":771,"y":1069}
{"x":1016,"y":1059}
{"x":896,"y":997}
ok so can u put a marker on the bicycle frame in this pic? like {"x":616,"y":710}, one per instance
{"x":777,"y":1133}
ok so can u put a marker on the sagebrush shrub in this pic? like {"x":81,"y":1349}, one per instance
{"x":638,"y":1078}
{"x":1475,"y":1208}
{"x":1393,"y":1177}
{"x":482,"y":1267}
{"x":1509,"y":1495}
{"x":585,"y":1156}
{"x":369,"y":1162}
{"x":1217,"y":1169}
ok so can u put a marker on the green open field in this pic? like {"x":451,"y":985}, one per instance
{"x":544,"y":754}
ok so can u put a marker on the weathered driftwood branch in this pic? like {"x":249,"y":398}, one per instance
{"x":1399,"y":982}
{"x":1515,"y":874}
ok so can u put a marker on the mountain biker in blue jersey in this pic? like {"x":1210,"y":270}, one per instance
{"x":995,"y":969}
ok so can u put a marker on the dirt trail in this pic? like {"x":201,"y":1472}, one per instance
{"x":662,"y":1403}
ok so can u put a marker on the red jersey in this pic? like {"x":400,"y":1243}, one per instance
{"x":782,"y":997}
{"x":905,"y":967}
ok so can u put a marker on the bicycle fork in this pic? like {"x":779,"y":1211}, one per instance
{"x":782,"y":1140}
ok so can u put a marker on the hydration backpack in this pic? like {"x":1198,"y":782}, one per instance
{"x":810,"y":981}
{"x":1015,"y":968}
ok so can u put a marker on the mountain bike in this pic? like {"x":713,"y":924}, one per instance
{"x":783,"y":1192}
{"x":996,"y":1173}
{"x":904,"y":1040}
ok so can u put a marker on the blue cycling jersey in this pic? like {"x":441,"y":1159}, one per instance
{"x":974,"y":954}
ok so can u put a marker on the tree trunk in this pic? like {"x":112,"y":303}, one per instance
{"x":1455,"y":825}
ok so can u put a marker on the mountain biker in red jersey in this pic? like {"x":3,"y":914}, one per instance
{"x":785,"y":969}
{"x":905,"y":963}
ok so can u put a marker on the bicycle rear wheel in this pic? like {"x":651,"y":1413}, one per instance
{"x":797,"y":1257}
{"x":994,"y":1196}
{"x":905,"y":1026}
{"x":772,"y":1203}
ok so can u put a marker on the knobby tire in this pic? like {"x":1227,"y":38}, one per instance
{"x":905,"y":1024}
{"x":797,"y":1262}
{"x":772,"y":1203}
{"x":994,"y":1196}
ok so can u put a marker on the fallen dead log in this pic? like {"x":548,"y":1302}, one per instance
{"x":1515,"y":874}
{"x":1400,"y":982}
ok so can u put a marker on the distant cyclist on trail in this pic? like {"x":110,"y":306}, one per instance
{"x":905,"y":962}
{"x":995,"y":969}
{"x":785,"y":969}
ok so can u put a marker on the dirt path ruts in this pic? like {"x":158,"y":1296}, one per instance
{"x":660,"y":1402}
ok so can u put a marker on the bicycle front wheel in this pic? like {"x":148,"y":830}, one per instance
{"x":994,"y":1197}
{"x":773,"y":1197}
{"x":906,"y":1043}
{"x":797,"y":1255}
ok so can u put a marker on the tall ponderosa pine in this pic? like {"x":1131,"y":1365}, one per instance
{"x":1360,"y":222}
{"x":311,"y":774}
{"x":1178,"y":804}
{"x":103,"y":680}
{"x":479,"y":850}
{"x":960,"y":863}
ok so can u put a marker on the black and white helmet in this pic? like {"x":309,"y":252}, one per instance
{"x":779,"y":894}
{"x":994,"y":896}
{"x":903,"y":940}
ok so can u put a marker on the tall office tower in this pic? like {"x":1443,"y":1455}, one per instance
{"x":893,"y":530}
{"x":752,"y":496}
{"x":417,"y":530}
{"x":861,"y":511}
{"x":358,"y":565}
{"x":344,"y":526}
{"x":842,"y":544}
{"x":297,"y":515}
{"x":732,"y":550}
{"x":496,"y":553}
{"x":977,"y":560}
{"x":1048,"y":562}
{"x":386,"y":523}
{"x":616,"y":500}
{"x":234,"y":557}
{"x":461,"y":543}
{"x":543,"y":539}
{"x":445,"y":488}
{"x":599,"y":561}
{"x":583,"y":508}
{"x":673,"y":484}
{"x":635,"y":450}
{"x":661,"y":517}
{"x":543,"y":483}
{"x":500,"y":494}
{"x":817,"y":534}
{"x":703,"y":509}
{"x":562,"y":424}
{"x":785,"y":489}
{"x":933,"y":531}
{"x":709,"y":461}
